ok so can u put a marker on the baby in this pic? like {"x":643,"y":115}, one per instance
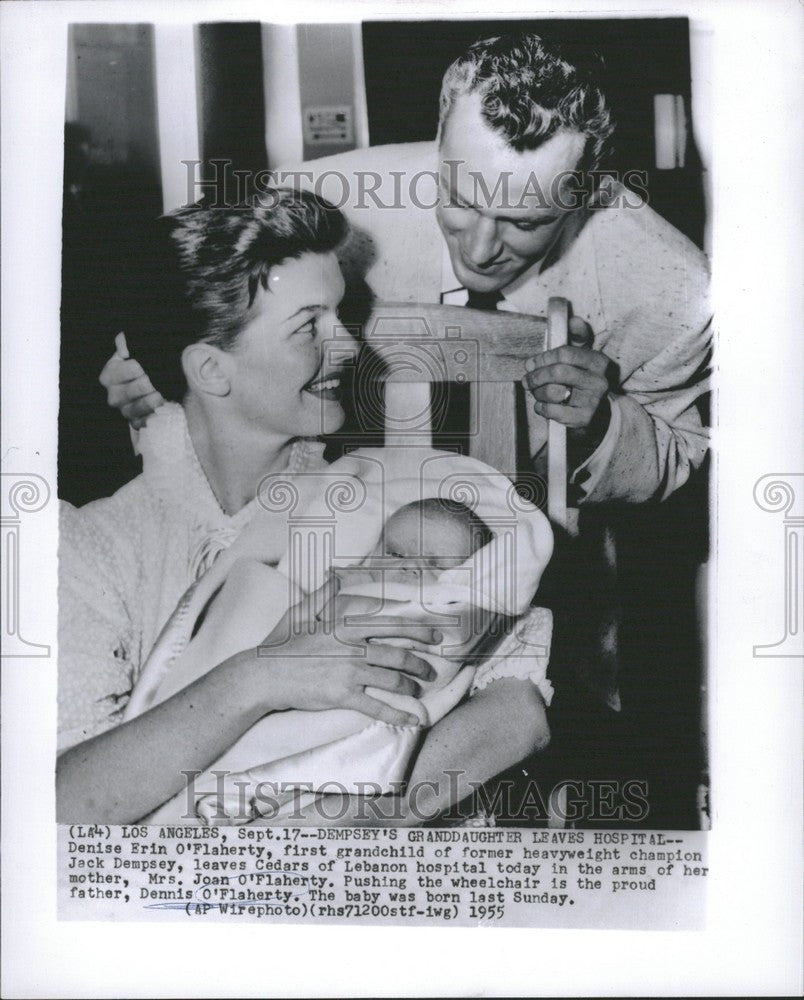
{"x":429,"y":552}
{"x":419,"y":541}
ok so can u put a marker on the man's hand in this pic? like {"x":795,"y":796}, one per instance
{"x":306,"y":661}
{"x":570,"y":384}
{"x":128,"y":388}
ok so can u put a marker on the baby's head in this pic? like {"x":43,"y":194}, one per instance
{"x":425,"y":537}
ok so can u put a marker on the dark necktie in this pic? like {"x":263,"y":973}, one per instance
{"x":487,"y":301}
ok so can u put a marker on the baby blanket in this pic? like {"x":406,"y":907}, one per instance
{"x":334,"y":519}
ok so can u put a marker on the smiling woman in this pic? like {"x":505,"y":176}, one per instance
{"x":242,"y":304}
{"x":198,"y":274}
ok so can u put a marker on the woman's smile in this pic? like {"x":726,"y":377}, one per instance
{"x":326,"y":387}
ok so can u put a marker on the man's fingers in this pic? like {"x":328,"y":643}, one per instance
{"x":127,"y":370}
{"x":121,"y":346}
{"x":579,"y":357}
{"x":358,"y":608}
{"x":571,"y":416}
{"x":562,"y":374}
{"x":558,"y":394}
{"x":381,"y":655}
{"x":127,"y":392}
{"x":379,"y":710}
{"x":142,"y":407}
{"x":580,"y":333}
{"x":117,"y":371}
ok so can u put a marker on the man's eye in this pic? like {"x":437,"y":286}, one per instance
{"x":453,"y":200}
{"x":530,"y":225}
{"x":308,"y":327}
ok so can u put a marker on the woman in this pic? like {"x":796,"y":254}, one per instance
{"x":245,"y":309}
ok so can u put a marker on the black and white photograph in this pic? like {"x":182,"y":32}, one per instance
{"x":572,"y":353}
{"x":389,"y":488}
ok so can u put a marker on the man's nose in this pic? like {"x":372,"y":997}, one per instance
{"x":481,"y":244}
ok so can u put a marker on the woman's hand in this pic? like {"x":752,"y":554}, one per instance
{"x":128,"y":388}
{"x":317,"y":658}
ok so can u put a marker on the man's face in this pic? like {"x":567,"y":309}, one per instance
{"x":287,"y":370}
{"x":500,"y":210}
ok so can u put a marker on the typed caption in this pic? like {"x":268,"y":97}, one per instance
{"x":462,"y":876}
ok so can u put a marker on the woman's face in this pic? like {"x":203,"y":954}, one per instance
{"x":288,"y":359}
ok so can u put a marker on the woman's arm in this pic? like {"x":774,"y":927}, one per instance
{"x":500,"y":725}
{"x":497,"y":727}
{"x":124,"y":773}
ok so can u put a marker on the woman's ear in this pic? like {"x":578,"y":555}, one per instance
{"x":207,"y":369}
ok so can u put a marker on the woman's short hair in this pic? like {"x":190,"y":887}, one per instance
{"x":530,"y":89}
{"x":196,"y":277}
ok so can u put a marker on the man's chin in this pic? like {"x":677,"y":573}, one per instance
{"x":477,"y":282}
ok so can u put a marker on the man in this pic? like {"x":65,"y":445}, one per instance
{"x":511,"y":186}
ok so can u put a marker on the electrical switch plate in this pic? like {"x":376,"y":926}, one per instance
{"x":326,"y":125}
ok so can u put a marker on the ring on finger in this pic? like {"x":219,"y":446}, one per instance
{"x":567,"y":396}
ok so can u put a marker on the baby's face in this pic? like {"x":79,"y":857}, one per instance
{"x":416,"y":546}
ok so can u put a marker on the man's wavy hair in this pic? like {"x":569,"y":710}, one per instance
{"x":196,"y":275}
{"x":530,"y":89}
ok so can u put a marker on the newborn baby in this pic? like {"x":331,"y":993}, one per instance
{"x":419,"y":541}
{"x":424,"y":552}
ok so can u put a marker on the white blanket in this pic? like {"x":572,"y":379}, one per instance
{"x":338,"y":527}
